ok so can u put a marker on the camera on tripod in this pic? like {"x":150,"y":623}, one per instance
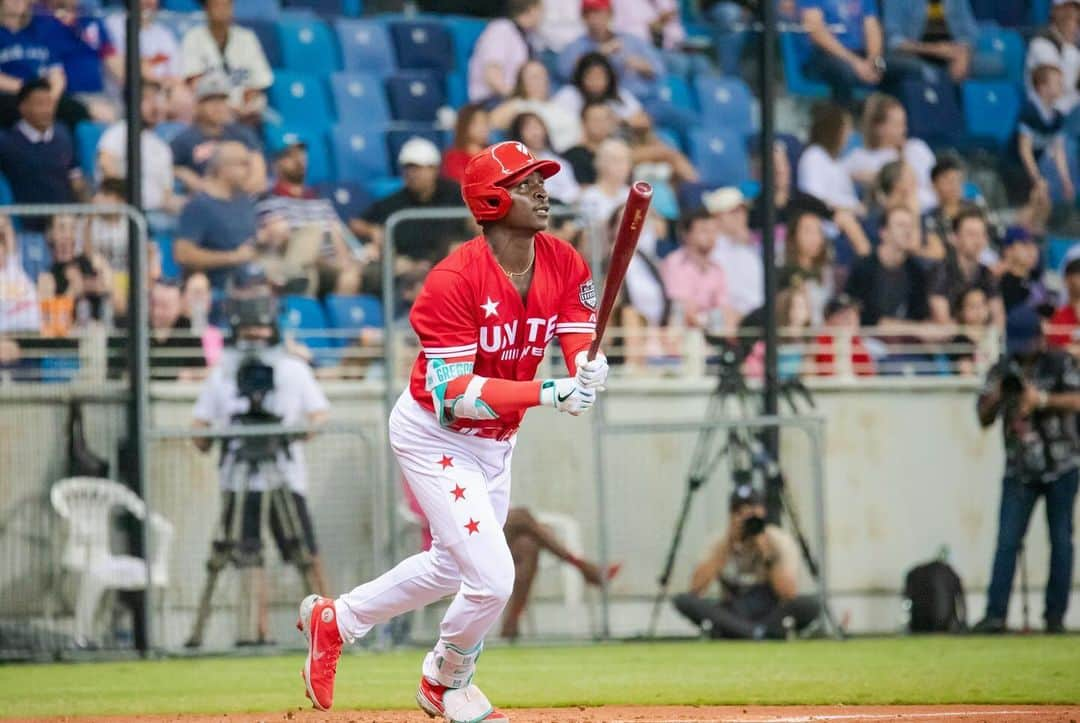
{"x":1012,"y":380}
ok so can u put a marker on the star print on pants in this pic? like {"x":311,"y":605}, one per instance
{"x":458,"y":492}
{"x":446,"y":461}
{"x":473,"y":527}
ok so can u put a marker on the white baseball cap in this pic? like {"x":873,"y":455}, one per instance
{"x":419,"y":152}
{"x":723,"y":199}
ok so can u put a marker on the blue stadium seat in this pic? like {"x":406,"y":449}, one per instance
{"x":256,"y":10}
{"x":350,"y":199}
{"x":423,"y":45}
{"x":720,"y":156}
{"x":360,"y":153}
{"x":933,"y":112}
{"x":329,"y":8}
{"x":396,"y":138}
{"x":181,"y":6}
{"x":1001,"y":52}
{"x":34,"y":253}
{"x":457,"y":88}
{"x":169,"y":268}
{"x":361,"y":98}
{"x":6,"y":197}
{"x":301,"y":100}
{"x":305,"y":321}
{"x":415,"y":96}
{"x":267,"y":32}
{"x":365,"y":46}
{"x":990,"y":110}
{"x":676,"y":90}
{"x":382,"y":187}
{"x":354,"y":313}
{"x":87,"y":135}
{"x":464,"y":31}
{"x":797,"y":83}
{"x":307,"y":44}
{"x":1056,"y":249}
{"x":277,"y":137}
{"x":726,"y":102}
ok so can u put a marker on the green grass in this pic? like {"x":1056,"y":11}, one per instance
{"x":872,"y":671}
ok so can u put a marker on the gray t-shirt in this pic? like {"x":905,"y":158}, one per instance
{"x":217,"y":224}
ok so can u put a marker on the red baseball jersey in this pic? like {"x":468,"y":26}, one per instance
{"x":470,"y":316}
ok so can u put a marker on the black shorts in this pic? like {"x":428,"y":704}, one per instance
{"x":249,"y":540}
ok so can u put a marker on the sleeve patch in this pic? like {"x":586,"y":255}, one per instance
{"x":587,"y":294}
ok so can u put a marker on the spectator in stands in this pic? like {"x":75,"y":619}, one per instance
{"x":505,"y":45}
{"x":1056,"y":45}
{"x":560,"y":25}
{"x":89,"y":59}
{"x":529,"y":129}
{"x":1040,"y":133}
{"x":156,"y":155}
{"x":821,"y":172}
{"x":32,"y":48}
{"x":1019,"y":259}
{"x":222,"y":47}
{"x":841,"y":338}
{"x":613,"y":167}
{"x":972,"y":312}
{"x":947,"y":177}
{"x":311,"y":222}
{"x":472,"y":134}
{"x":890,"y":284}
{"x":885,"y":138}
{"x":693,"y":280}
{"x":1064,"y":331}
{"x":655,"y":22}
{"x":532,"y":94}
{"x":928,"y":37}
{"x":594,"y":79}
{"x":807,"y":262}
{"x":217,"y":230}
{"x":736,"y":249}
{"x":646,"y":308}
{"x":418,"y":244}
{"x":104,"y":234}
{"x":37,"y":155}
{"x":844,"y":60}
{"x":82,"y":278}
{"x":18,"y":296}
{"x":963,"y":269}
{"x":213,"y":124}
{"x":598,"y":123}
{"x":635,"y":61}
{"x":895,"y":185}
{"x":176,"y":352}
{"x":160,"y":54}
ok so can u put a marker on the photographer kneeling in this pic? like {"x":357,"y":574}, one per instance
{"x":258,"y":382}
{"x":1036,"y":390}
{"x":757,"y":566}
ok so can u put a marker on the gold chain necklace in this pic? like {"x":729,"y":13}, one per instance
{"x":511,"y":274}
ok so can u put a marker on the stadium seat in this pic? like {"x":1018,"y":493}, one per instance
{"x":1056,"y":249}
{"x":301,"y":100}
{"x":720,"y":156}
{"x":304,"y":320}
{"x":457,"y":88}
{"x":396,"y":138}
{"x":360,"y":153}
{"x":87,"y":135}
{"x":308,"y":45}
{"x":415,"y":96}
{"x":990,"y":110}
{"x":1000,"y":53}
{"x":422,"y":45}
{"x":365,"y":46}
{"x":361,"y":98}
{"x":6,"y":197}
{"x":277,"y":137}
{"x":933,"y":112}
{"x":181,"y":6}
{"x":169,"y":268}
{"x":267,"y":32}
{"x":464,"y":31}
{"x":350,"y":199}
{"x":380,"y":188}
{"x":676,"y":91}
{"x":329,"y":8}
{"x":354,"y":312}
{"x":797,"y":83}
{"x":726,"y":102}
{"x":256,"y":10}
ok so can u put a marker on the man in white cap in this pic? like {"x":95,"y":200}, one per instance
{"x":736,"y":249}
{"x":418,"y":244}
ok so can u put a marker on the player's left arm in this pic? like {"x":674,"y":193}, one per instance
{"x":576,"y":325}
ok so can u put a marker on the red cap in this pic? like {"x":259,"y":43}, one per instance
{"x":588,"y":6}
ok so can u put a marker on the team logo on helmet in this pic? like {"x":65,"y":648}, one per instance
{"x":518,"y":146}
{"x":587,"y":294}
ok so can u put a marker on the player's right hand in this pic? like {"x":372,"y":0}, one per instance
{"x":566,"y":395}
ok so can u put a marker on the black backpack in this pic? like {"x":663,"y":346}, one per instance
{"x":936,"y":596}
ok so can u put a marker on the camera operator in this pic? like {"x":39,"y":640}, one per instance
{"x":757,"y":566}
{"x":1036,"y":390}
{"x":257,"y":381}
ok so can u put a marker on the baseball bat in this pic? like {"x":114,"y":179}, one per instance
{"x":633,"y":220}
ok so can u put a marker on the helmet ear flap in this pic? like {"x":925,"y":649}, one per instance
{"x":487,"y":202}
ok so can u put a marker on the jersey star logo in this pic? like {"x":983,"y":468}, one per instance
{"x":458,"y":492}
{"x":491,"y":308}
{"x":473,"y":527}
{"x":446,"y":461}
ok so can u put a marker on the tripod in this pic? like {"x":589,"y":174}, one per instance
{"x":254,"y":455}
{"x":746,"y":453}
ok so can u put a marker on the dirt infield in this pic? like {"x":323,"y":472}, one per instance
{"x":652,"y":714}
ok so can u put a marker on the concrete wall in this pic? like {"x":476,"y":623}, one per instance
{"x":907,"y":472}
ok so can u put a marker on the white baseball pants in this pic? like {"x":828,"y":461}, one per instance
{"x":463,"y":486}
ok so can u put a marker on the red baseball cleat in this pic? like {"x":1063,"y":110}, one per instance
{"x":468,"y":704}
{"x":318,"y":623}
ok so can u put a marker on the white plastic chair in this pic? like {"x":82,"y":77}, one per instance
{"x":86,"y":504}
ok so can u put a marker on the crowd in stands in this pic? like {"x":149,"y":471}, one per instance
{"x":917,"y":208}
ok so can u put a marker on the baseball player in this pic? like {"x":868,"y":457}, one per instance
{"x":484,"y":318}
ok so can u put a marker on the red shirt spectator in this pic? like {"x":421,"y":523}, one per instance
{"x":841,"y":319}
{"x":470,"y":137}
{"x":1065,"y":322}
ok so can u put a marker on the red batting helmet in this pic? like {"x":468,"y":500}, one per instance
{"x":492,"y":170}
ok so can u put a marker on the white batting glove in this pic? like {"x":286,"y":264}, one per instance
{"x":591,"y":374}
{"x":566,"y":395}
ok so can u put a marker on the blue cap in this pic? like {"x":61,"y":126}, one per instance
{"x":1023,"y":330}
{"x":1015,"y":235}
